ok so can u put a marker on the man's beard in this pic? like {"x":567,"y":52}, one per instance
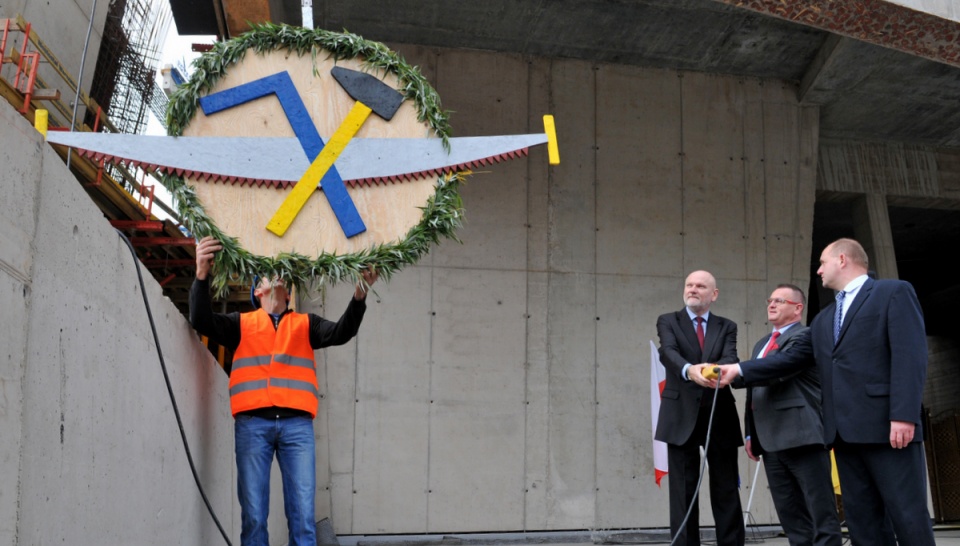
{"x":694,"y":304}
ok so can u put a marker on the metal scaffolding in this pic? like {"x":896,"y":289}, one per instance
{"x":125,"y":77}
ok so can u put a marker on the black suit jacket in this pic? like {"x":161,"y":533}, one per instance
{"x":875,"y":372}
{"x":783,"y":413}
{"x":680,"y":399}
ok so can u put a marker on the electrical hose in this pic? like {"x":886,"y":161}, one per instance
{"x":703,"y":464}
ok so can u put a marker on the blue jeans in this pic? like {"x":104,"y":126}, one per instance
{"x":291,"y":439}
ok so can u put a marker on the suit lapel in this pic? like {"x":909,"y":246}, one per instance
{"x":758,"y":348}
{"x":862,"y":295}
{"x":785,"y":336}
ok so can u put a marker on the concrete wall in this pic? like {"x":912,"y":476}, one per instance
{"x":502,"y":384}
{"x":91,"y":453}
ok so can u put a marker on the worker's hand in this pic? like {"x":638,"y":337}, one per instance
{"x":369,"y":276}
{"x":695,"y":374}
{"x":749,"y":449}
{"x":206,"y":248}
{"x":901,"y":434}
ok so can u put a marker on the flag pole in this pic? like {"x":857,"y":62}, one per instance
{"x":753,"y":488}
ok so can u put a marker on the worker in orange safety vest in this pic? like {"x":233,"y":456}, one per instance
{"x":273,"y":392}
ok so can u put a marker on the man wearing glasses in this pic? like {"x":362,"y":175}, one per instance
{"x":782,"y":423}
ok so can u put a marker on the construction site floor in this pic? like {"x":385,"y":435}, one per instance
{"x":766,"y":535}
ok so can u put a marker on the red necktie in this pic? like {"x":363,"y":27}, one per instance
{"x":700,"y":331}
{"x":773,"y":343}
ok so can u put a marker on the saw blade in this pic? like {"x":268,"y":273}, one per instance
{"x":281,"y":161}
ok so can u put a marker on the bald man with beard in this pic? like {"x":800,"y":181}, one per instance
{"x":692,"y":335}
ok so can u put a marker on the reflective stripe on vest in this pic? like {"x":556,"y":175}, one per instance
{"x":250,"y":361}
{"x":284,"y":383}
{"x":296,"y":385}
{"x":274,"y":367}
{"x":294,"y":361}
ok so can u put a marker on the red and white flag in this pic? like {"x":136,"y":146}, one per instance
{"x":658,"y":377}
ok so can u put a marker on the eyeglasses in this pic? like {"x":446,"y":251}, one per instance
{"x":781,"y":301}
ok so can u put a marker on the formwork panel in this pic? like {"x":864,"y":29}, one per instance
{"x":393,"y":388}
{"x":477,"y":409}
{"x":390,"y":485}
{"x":754,"y":181}
{"x":713,"y":194}
{"x":572,"y":191}
{"x":781,"y":134}
{"x":491,"y":101}
{"x":539,"y":171}
{"x":478,"y":335}
{"x":334,"y":425}
{"x":537,"y":396}
{"x":809,"y":139}
{"x":476,"y":466}
{"x":537,"y":404}
{"x":627,"y":494}
{"x":572,"y":427}
{"x":639,"y":211}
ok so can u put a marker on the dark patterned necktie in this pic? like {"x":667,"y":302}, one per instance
{"x":838,"y":317}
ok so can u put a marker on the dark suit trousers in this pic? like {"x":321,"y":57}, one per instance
{"x":684,"y":465}
{"x":876,"y":479}
{"x":802,"y":492}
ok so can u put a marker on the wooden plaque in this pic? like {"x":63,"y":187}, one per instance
{"x":398,"y":220}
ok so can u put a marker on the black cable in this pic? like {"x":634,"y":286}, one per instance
{"x":703,"y":463}
{"x":166,"y":378}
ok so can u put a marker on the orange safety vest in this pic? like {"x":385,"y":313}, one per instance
{"x":274,"y":367}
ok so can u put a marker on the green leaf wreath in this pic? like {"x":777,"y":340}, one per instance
{"x":442,"y":215}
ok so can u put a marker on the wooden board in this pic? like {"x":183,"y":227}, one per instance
{"x":388,"y":210}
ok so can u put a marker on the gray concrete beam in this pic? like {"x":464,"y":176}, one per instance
{"x":905,"y":26}
{"x":871,"y":225}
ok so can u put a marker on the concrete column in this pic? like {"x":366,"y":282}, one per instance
{"x":871,"y":226}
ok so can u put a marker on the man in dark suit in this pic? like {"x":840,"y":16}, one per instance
{"x":871,"y":351}
{"x":782,"y":422}
{"x":688,"y":336}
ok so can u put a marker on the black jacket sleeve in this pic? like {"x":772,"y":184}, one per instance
{"x":222,"y":328}
{"x":325,"y":333}
{"x":794,"y":357}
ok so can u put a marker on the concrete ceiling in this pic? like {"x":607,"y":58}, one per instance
{"x":865,"y":91}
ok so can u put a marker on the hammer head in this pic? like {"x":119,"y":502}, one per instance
{"x":382,"y":99}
